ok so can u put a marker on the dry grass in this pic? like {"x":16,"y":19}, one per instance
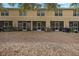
{"x":39,"y":43}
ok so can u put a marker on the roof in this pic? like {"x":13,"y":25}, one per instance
{"x":41,"y":9}
{"x":67,"y":8}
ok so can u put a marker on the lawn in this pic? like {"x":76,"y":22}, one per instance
{"x":39,"y":44}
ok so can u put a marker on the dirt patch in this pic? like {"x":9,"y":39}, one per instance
{"x":39,"y":43}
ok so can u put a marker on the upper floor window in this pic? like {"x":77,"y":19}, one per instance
{"x":40,"y":13}
{"x":75,"y":12}
{"x":58,"y":13}
{"x":4,"y":13}
{"x":22,"y":13}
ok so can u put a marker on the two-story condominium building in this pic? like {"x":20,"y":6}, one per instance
{"x":38,"y":20}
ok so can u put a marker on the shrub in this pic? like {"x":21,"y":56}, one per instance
{"x":15,"y":28}
{"x":66,"y":30}
{"x":48,"y":29}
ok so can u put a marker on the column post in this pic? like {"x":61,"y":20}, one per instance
{"x":31,"y":25}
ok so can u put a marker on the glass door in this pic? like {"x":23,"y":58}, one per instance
{"x":24,"y":26}
{"x":57,"y":25}
{"x":39,"y":26}
{"x":1,"y":24}
{"x":74,"y":25}
{"x":7,"y":25}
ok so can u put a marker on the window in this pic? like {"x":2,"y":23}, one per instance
{"x":40,"y":13}
{"x":4,"y":13}
{"x":39,"y":25}
{"x":24,"y":25}
{"x":58,"y":13}
{"x":75,"y":12}
{"x":74,"y":25}
{"x":7,"y":24}
{"x":22,"y":13}
{"x":57,"y":25}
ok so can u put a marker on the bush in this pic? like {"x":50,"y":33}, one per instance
{"x":15,"y":28}
{"x":66,"y":30}
{"x":72,"y":29}
{"x":48,"y":29}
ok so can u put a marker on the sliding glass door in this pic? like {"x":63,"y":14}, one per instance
{"x":74,"y":25}
{"x":57,"y":25}
{"x":39,"y":25}
{"x":6,"y":25}
{"x":24,"y":25}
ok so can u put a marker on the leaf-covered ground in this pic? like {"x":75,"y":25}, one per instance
{"x":39,"y":43}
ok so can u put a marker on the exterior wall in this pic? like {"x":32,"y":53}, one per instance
{"x":31,"y":13}
{"x":32,"y":16}
{"x":67,"y":12}
{"x":13,"y":12}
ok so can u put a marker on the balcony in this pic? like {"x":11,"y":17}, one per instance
{"x":31,"y":18}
